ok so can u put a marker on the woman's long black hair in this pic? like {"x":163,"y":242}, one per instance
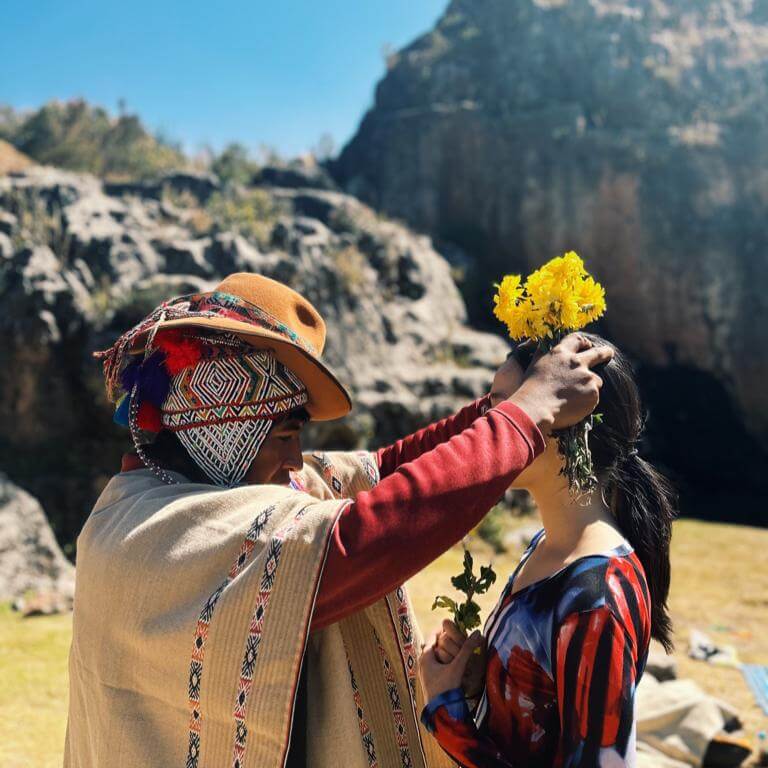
{"x":640,"y":498}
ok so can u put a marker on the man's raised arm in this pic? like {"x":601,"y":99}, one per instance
{"x":410,"y":447}
{"x":388,"y":534}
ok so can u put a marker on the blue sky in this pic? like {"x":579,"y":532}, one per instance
{"x":280,"y":73}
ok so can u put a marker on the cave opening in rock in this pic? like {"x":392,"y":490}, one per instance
{"x":697,"y":435}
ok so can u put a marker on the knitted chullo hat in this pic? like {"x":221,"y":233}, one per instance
{"x":217,"y":394}
{"x":222,"y":408}
{"x":183,"y":368}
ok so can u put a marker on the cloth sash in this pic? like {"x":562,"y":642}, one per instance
{"x":192,"y":613}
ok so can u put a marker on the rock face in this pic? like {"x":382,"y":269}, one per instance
{"x":30,"y":558}
{"x":79,"y":266}
{"x":634,"y":132}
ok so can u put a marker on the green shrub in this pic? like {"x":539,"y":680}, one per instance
{"x":234,"y":165}
{"x":493,"y":527}
{"x":251,"y":214}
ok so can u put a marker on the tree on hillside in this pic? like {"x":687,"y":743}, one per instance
{"x":80,"y":137}
{"x":10,"y":120}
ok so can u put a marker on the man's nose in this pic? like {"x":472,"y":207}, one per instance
{"x":295,"y":461}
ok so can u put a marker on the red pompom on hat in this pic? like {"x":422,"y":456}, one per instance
{"x":181,"y":351}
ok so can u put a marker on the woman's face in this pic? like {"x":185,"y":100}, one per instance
{"x":280,"y":453}
{"x":547,"y":465}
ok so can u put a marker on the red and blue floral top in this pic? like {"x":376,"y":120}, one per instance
{"x":565,"y":655}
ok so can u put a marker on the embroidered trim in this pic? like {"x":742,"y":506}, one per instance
{"x":403,"y":622}
{"x":219,"y":304}
{"x":223,"y":414}
{"x":253,"y":641}
{"x":365,"y":731}
{"x":296,"y":482}
{"x":327,"y":469}
{"x":191,"y":307}
{"x":237,"y":403}
{"x":398,"y":717}
{"x":201,"y":635}
{"x":370,"y":467}
{"x":401,"y":616}
{"x":222,"y":409}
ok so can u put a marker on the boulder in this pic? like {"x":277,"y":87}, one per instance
{"x":134,"y":188}
{"x":200,"y":185}
{"x":660,"y":664}
{"x":30,"y":559}
{"x":295,"y":175}
{"x":8,"y":223}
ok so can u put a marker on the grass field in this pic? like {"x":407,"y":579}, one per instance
{"x":33,"y":694}
{"x":719,"y":585}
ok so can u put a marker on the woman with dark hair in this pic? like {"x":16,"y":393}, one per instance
{"x":568,"y":640}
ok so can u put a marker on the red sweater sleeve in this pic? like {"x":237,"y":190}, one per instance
{"x":422,"y":508}
{"x":411,"y":447}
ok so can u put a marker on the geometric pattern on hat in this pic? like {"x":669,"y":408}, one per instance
{"x":225,"y":451}
{"x":222,"y":408}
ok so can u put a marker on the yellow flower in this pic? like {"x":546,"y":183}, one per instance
{"x":591,"y":299}
{"x":508,"y":293}
{"x":505,"y":302}
{"x":558,"y":297}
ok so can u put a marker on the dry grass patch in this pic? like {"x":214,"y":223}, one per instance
{"x":33,"y":696}
{"x":11,"y":160}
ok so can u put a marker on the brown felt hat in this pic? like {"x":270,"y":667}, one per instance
{"x":266,"y":314}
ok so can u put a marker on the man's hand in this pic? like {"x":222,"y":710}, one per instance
{"x":559,"y":388}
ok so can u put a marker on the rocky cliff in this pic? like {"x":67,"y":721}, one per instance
{"x":82,"y":261}
{"x":634,"y":132}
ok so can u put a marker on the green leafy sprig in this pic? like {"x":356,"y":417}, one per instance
{"x":573,"y":446}
{"x":466,"y":615}
{"x":573,"y":441}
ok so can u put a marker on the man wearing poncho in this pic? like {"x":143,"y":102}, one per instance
{"x":241,"y":604}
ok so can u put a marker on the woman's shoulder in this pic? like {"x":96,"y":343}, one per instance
{"x":614,"y":580}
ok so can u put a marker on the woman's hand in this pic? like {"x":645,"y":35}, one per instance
{"x":437,"y":677}
{"x":449,"y":642}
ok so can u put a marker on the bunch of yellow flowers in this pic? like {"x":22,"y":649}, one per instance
{"x":556,"y":299}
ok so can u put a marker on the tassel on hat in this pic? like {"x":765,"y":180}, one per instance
{"x":122,"y":411}
{"x":180,"y":351}
{"x":151,"y":378}
{"x":148,"y":417}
